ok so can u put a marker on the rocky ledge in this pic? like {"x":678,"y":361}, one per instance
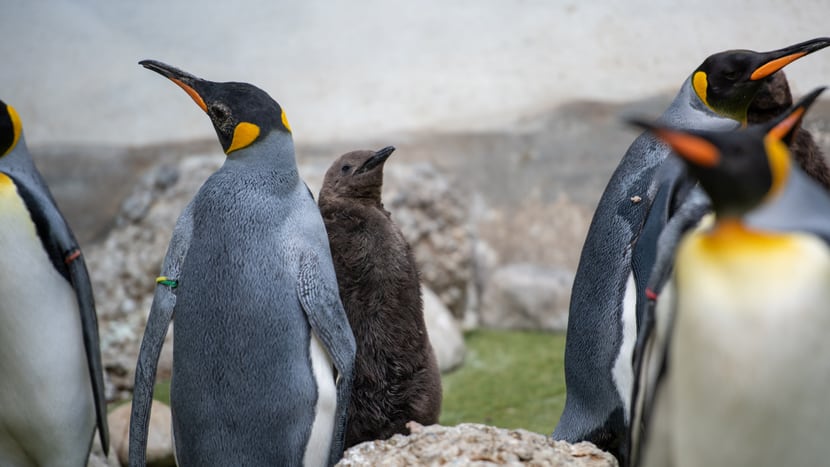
{"x":472,"y":444}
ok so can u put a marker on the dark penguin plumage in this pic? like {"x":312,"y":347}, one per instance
{"x":609,"y":296}
{"x":733,"y":369}
{"x":396,"y":375}
{"x":260,"y":330}
{"x":51,"y":377}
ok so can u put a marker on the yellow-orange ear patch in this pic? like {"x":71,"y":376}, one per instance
{"x":244,"y":134}
{"x":192,"y":93}
{"x":285,"y":122}
{"x":774,"y":65}
{"x":17,"y":126}
{"x":701,"y":83}
{"x":692,"y":148}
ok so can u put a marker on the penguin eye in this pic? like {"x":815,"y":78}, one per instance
{"x":345,"y":169}
{"x":220,"y":113}
{"x":732,"y":75}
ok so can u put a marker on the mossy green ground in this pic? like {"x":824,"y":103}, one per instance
{"x":510,"y":379}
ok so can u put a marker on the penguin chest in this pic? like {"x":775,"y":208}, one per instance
{"x":749,"y":351}
{"x":45,"y":391}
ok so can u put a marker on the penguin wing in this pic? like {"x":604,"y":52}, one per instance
{"x":161,"y":312}
{"x":653,"y":248}
{"x":65,"y":254}
{"x":320,"y":299}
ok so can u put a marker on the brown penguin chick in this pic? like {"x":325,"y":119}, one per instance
{"x":772,"y":100}
{"x":396,"y":376}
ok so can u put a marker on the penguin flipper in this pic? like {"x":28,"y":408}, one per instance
{"x":89,"y":323}
{"x":320,"y":300}
{"x":65,"y":254}
{"x":161,"y":313}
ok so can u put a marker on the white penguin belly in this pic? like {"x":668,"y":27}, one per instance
{"x":623,"y":371}
{"x":46,"y":404}
{"x":319,"y":443}
{"x":750,"y":359}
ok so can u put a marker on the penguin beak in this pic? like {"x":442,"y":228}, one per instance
{"x":183,"y":79}
{"x":782,"y":127}
{"x":770,"y":62}
{"x":377,"y":159}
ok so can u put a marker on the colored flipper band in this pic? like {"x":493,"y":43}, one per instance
{"x":164,"y":280}
{"x":72,"y":256}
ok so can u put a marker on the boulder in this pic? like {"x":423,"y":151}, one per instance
{"x":97,"y":458}
{"x":159,"y":435}
{"x":472,"y":444}
{"x":444,"y":333}
{"x":527,"y":296}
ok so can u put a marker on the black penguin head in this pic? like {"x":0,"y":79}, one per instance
{"x":357,"y":174}
{"x":241,"y":113}
{"x":10,"y":128}
{"x":728,"y":81}
{"x":739,"y":169}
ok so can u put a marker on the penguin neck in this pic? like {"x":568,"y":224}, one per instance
{"x":18,"y":162}
{"x":688,"y":111}
{"x":269,"y":157}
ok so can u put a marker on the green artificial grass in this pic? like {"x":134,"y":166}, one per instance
{"x":510,"y":379}
{"x":161,"y":392}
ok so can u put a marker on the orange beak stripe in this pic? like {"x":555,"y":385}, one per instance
{"x":192,"y":93}
{"x":774,"y":65}
{"x":779,"y":131}
{"x":692,"y":148}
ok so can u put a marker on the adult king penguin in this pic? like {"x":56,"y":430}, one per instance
{"x":51,"y":377}
{"x":396,"y":377}
{"x":609,"y":291}
{"x":738,"y":349}
{"x":259,"y":322}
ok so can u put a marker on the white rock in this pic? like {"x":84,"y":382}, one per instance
{"x":159,"y":439}
{"x":472,"y":444}
{"x":444,"y":332}
{"x":527,"y":296}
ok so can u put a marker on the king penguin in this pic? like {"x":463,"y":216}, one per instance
{"x":609,"y":291}
{"x":51,"y":377}
{"x":737,"y":353}
{"x":396,"y":376}
{"x":262,"y":349}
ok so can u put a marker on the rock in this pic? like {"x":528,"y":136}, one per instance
{"x":444,"y":332}
{"x":435,"y":220}
{"x":159,"y":439}
{"x":97,"y":457}
{"x":527,"y":296}
{"x":473,"y":444}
